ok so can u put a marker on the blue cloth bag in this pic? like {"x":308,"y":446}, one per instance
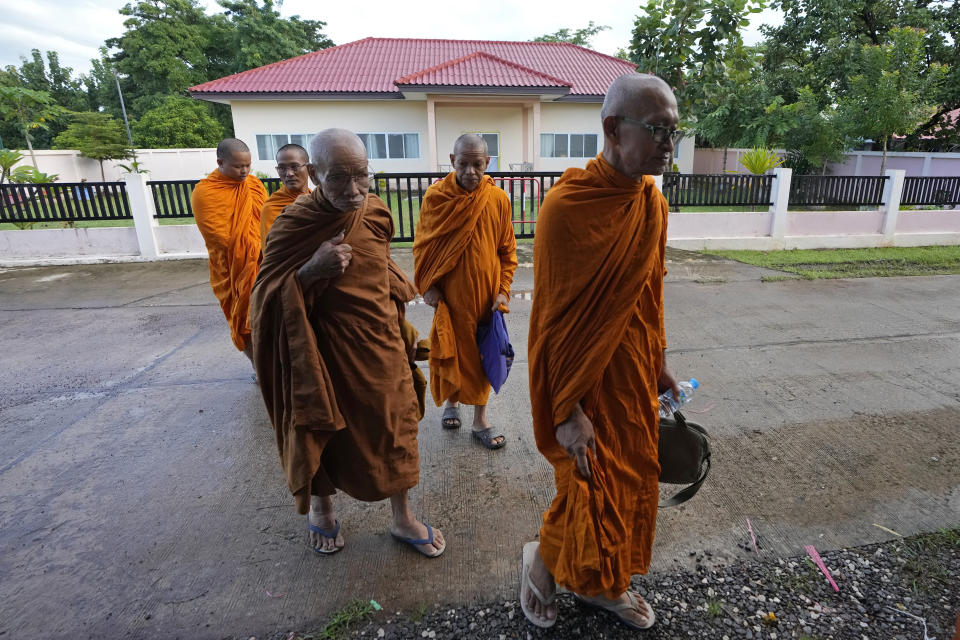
{"x":496,"y":352}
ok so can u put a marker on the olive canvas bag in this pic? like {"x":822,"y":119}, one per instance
{"x":684,"y":453}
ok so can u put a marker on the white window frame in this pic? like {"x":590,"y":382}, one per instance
{"x":386,"y":135}
{"x":568,"y":135}
{"x":270,"y":136}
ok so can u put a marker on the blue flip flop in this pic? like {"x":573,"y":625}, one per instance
{"x":326,"y":534}
{"x":415,"y":543}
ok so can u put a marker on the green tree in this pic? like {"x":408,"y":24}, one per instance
{"x":30,"y":110}
{"x":95,"y":135}
{"x":579,"y":37}
{"x":686,"y":42}
{"x":890,"y":94}
{"x":8,"y":158}
{"x":249,"y":35}
{"x":178,"y":122}
{"x":816,"y":137}
{"x":819,"y":45}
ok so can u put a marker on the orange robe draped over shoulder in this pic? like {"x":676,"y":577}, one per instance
{"x":597,"y":337}
{"x":464,"y":246}
{"x":274,"y":207}
{"x":331,"y":361}
{"x":227,"y":212}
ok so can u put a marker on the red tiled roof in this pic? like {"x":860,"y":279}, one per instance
{"x":481,"y":69}
{"x":374,"y":65}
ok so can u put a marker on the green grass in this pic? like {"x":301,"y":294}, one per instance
{"x":815,"y":264}
{"x":922,"y":558}
{"x":87,"y":224}
{"x":341,"y":620}
{"x":714,"y":608}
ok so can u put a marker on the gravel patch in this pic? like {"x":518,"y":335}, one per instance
{"x":759,"y":599}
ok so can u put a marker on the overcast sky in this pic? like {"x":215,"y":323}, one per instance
{"x":76,"y":28}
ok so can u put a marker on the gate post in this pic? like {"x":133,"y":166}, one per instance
{"x":780,"y":197}
{"x":890,"y":206}
{"x":141,"y":206}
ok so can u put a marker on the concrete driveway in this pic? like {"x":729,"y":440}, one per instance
{"x":141,"y":493}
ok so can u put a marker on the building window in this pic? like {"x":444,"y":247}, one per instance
{"x":568,"y":145}
{"x":269,"y":144}
{"x":391,"y":145}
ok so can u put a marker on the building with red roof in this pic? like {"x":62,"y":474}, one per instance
{"x":536,"y":103}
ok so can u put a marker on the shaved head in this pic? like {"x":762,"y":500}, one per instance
{"x":338,"y":166}
{"x":470,"y":142}
{"x":230,"y":146}
{"x":296,"y":149}
{"x":639,"y":118}
{"x":628,"y":90}
{"x":330,"y":145}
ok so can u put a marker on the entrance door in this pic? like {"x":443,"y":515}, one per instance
{"x":493,"y":148}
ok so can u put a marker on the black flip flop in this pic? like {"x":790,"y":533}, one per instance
{"x":451,"y":414}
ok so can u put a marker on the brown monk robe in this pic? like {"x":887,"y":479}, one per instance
{"x":226,"y":206}
{"x":292,"y":168}
{"x":596,"y":353}
{"x":464,"y":255}
{"x":329,"y":352}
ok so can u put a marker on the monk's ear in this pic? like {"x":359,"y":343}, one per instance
{"x":312,"y":170}
{"x":220,"y":162}
{"x":487,"y":165}
{"x":610,"y":127}
{"x":453,"y":162}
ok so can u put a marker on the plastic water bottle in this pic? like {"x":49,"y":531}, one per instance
{"x":668,"y":404}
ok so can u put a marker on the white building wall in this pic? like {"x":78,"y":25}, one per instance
{"x":162,"y":164}
{"x":569,"y":117}
{"x":253,"y":117}
{"x":455,"y":120}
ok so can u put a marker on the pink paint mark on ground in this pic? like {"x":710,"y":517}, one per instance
{"x":819,"y":561}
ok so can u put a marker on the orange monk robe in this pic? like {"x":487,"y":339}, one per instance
{"x":465,"y":246}
{"x":227,"y":212}
{"x":330,"y":358}
{"x":274,"y":207}
{"x":597,"y":337}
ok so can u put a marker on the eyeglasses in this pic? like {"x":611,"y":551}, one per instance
{"x":342,"y":180}
{"x":284,"y":168}
{"x":659,"y":134}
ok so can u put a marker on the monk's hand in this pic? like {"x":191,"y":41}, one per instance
{"x":502,"y":299}
{"x":576,"y":435}
{"x":432,"y":297}
{"x":330,"y":260}
{"x":668,"y":381}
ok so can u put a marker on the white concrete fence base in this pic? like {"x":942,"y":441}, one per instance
{"x":775,"y":228}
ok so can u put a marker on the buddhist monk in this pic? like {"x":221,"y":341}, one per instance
{"x":464,"y":256}
{"x":327,"y":346}
{"x":292,"y":162}
{"x":226,"y":205}
{"x":596,"y":356}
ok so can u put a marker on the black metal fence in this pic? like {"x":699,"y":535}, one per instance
{"x":930,"y":191}
{"x":171,"y":198}
{"x":403,"y":193}
{"x":64,"y":202}
{"x":853,"y":191}
{"x":732,"y":190}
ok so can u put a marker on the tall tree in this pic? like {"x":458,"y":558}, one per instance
{"x":818,"y":45}
{"x":30,"y":110}
{"x":580,"y":37}
{"x":95,"y":135}
{"x":685,"y":42}
{"x":251,"y":35}
{"x":178,"y":122}
{"x":891,"y":94}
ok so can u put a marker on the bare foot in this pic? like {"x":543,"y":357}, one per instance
{"x":544,"y":612}
{"x":322,"y":515}
{"x":413,"y":529}
{"x":480,"y":423}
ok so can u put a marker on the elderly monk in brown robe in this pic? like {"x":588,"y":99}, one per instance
{"x":226,"y":206}
{"x":330,"y":357}
{"x":464,"y":256}
{"x":292,"y":168}
{"x":596,"y":353}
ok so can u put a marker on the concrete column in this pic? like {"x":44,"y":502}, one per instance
{"x":432,"y":134}
{"x":536,"y":136}
{"x":780,"y":194}
{"x":892,"y":194}
{"x":141,"y":206}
